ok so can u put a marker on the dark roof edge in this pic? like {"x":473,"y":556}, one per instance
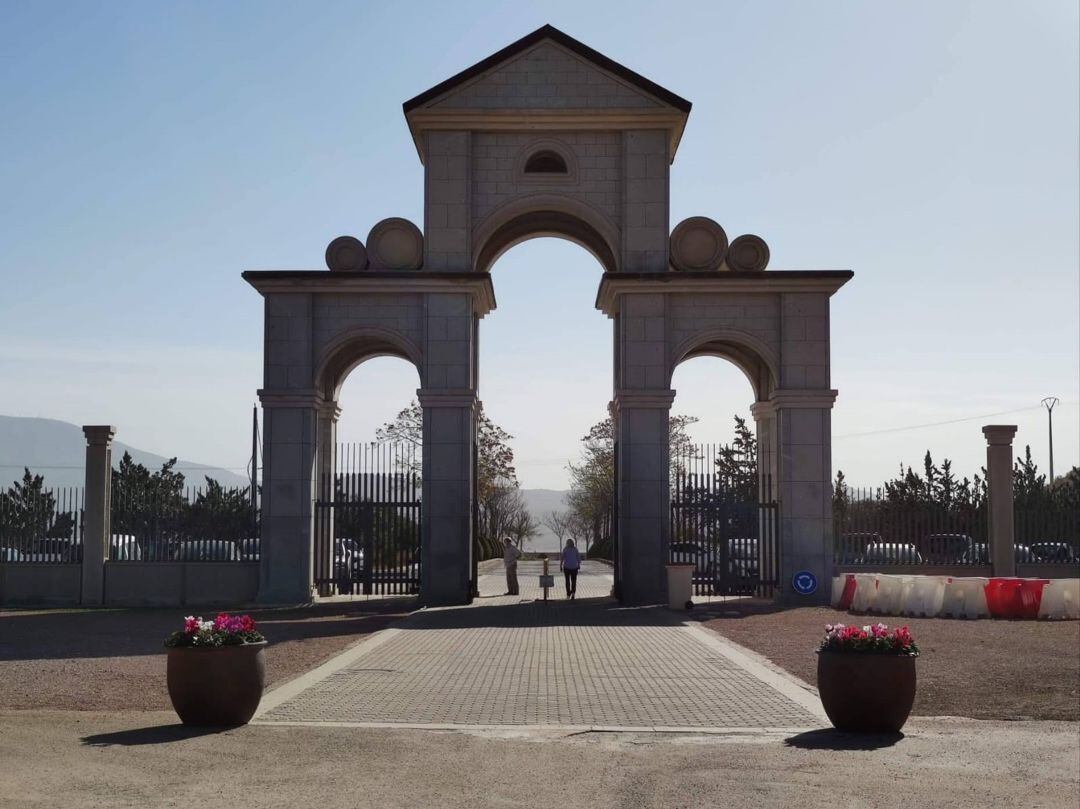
{"x":763,"y":274}
{"x":568,"y":42}
{"x":422,"y":275}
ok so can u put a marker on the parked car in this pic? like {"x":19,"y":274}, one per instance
{"x":978,"y":553}
{"x":691,"y":553}
{"x":946,"y":548}
{"x":208,"y":550}
{"x":1054,"y":552}
{"x":54,"y":550}
{"x":348,"y":564}
{"x":249,"y":550}
{"x":10,"y":555}
{"x":853,"y":546}
{"x":124,"y":548}
{"x":891,"y":553}
{"x":743,"y":557}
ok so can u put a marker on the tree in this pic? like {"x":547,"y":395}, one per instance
{"x":28,"y":514}
{"x":148,"y":505}
{"x":501,"y":508}
{"x":559,"y":523}
{"x":220,"y":513}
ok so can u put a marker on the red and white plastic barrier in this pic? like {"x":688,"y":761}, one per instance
{"x":957,"y":596}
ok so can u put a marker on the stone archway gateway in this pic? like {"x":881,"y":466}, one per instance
{"x":546,"y":137}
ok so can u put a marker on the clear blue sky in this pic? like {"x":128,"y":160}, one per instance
{"x":151,"y":152}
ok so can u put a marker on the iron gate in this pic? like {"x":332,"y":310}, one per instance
{"x":725,"y":523}
{"x":367,"y":522}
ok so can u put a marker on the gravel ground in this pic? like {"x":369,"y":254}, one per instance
{"x":98,"y":660}
{"x":88,"y":760}
{"x":981,"y":669}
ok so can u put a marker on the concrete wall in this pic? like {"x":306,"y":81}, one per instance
{"x":164,"y":584}
{"x":53,"y":585}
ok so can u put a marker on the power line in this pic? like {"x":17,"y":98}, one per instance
{"x":937,"y":423}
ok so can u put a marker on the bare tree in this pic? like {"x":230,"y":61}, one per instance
{"x":559,"y":523}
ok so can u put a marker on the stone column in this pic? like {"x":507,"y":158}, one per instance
{"x":999,"y":483}
{"x":290,"y":435}
{"x":97,"y":513}
{"x":449,"y":437}
{"x":804,"y":488}
{"x":764,"y":414}
{"x":641,"y":428}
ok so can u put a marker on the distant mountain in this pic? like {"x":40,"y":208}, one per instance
{"x":540,"y":502}
{"x":57,"y":450}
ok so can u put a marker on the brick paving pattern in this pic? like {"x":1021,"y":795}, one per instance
{"x":517,"y":661}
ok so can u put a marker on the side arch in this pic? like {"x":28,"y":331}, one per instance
{"x":749,"y":353}
{"x":545,"y":215}
{"x":340,"y":355}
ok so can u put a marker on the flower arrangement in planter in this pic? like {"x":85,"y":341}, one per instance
{"x":866,"y":677}
{"x":215,"y":670}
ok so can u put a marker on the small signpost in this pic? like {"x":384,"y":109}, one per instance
{"x":546,"y":581}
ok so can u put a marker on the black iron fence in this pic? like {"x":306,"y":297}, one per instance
{"x":41,"y":526}
{"x":210,"y":523}
{"x":1048,"y":535}
{"x":872,"y":530}
{"x":367,"y":522}
{"x":724,"y":521}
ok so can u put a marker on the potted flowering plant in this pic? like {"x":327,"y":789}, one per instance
{"x":866,"y":677}
{"x":215,"y":670}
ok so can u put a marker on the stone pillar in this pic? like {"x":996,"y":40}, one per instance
{"x":764,"y":414}
{"x":999,"y":483}
{"x":290,"y":435}
{"x":449,"y":438}
{"x":641,"y":428}
{"x":325,"y":477}
{"x":97,"y":514}
{"x":804,"y":488}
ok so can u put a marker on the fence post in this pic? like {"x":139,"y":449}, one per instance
{"x":999,"y":481}
{"x":96,"y":527}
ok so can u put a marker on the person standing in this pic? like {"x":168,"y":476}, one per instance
{"x":510,"y":559}
{"x":569,"y":563}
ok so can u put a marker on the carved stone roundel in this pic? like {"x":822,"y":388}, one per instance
{"x":748,"y":253}
{"x":698,"y":243}
{"x":346,"y":254}
{"x":396,"y":244}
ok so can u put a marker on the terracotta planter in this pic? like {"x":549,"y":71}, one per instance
{"x":866,"y":692}
{"x":216,"y":685}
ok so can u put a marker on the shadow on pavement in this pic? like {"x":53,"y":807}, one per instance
{"x":831,"y":739}
{"x":158,"y":734}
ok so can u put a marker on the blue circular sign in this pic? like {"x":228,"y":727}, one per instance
{"x":804,"y":583}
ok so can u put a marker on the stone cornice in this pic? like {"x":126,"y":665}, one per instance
{"x":999,"y":434}
{"x":541,"y":120}
{"x":477,"y":284}
{"x":450,"y":397}
{"x":98,"y":434}
{"x":792,"y":398}
{"x":614,"y":284}
{"x":644,"y":398}
{"x":302,"y":398}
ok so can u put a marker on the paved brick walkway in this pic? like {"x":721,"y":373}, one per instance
{"x":513,"y":661}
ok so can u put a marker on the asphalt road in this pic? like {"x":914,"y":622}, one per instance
{"x":82,"y":760}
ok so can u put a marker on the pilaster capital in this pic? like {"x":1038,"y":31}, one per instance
{"x":762,"y":410}
{"x":660,"y":399}
{"x":447,"y":397}
{"x":792,"y":398}
{"x":98,"y":435}
{"x":328,"y":409}
{"x":999,"y":435}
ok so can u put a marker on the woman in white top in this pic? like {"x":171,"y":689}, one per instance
{"x":569,"y":562}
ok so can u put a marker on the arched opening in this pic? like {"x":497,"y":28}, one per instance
{"x":368,"y":468}
{"x":721,"y":520}
{"x":546,"y":161}
{"x":535,"y":224}
{"x":546,"y":379}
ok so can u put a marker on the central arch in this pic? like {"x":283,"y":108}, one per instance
{"x":545,"y":215}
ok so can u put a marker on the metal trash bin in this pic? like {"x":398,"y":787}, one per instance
{"x":680,"y":585}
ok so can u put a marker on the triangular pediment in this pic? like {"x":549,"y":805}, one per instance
{"x":547,"y":70}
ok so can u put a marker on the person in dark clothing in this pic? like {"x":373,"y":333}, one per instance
{"x":569,"y":563}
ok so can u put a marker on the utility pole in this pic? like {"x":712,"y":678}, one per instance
{"x":1049,"y":403}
